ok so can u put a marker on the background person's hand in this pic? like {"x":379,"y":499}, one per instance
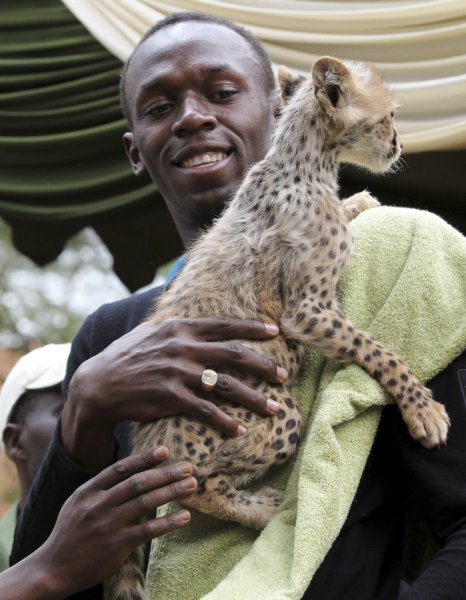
{"x":155,"y":371}
{"x":98,"y":526}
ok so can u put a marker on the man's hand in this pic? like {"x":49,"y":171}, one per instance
{"x":100,"y":525}
{"x":155,"y":371}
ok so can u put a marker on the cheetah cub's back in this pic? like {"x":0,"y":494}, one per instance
{"x":276,"y":255}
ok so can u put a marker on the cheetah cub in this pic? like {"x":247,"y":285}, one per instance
{"x":276,"y":255}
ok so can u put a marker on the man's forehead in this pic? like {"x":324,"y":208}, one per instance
{"x":48,"y":395}
{"x":197,"y":32}
{"x":188,"y":41}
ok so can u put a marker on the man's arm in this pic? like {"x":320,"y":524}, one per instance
{"x":99,"y":525}
{"x":438,"y":481}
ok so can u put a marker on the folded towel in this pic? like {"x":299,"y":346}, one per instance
{"x":406,"y":286}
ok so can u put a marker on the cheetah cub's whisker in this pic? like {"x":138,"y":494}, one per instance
{"x":276,"y":255}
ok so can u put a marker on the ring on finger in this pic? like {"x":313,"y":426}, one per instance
{"x":209,"y":379}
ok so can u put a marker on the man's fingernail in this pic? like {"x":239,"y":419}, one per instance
{"x":185,"y":469}
{"x":189,"y":484}
{"x":161,"y":453}
{"x":271,"y":328}
{"x":182,"y":517}
{"x":272,"y":405}
{"x":282,"y":374}
{"x":241,"y":430}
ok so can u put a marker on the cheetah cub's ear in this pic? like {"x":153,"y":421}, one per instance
{"x":332,"y":84}
{"x":288,"y":82}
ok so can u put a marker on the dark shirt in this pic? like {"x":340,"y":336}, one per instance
{"x":366,"y":560}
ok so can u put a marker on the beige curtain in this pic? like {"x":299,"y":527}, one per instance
{"x":419,"y":46}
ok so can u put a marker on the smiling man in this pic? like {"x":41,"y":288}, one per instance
{"x":195,"y":109}
{"x":200,"y":99}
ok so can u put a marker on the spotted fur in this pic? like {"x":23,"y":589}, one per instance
{"x":276,"y":255}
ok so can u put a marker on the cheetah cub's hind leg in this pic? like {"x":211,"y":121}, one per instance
{"x":358,"y":203}
{"x":426,"y":419}
{"x":225,"y":501}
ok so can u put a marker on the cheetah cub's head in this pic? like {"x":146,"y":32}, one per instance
{"x":355,"y":108}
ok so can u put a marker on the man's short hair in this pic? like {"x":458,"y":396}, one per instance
{"x":182,"y":17}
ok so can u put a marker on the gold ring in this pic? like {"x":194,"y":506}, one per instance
{"x":208,"y":379}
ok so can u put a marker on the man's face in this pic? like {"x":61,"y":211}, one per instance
{"x":202,"y":114}
{"x":39,"y":425}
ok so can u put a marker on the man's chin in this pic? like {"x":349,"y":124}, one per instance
{"x":220,"y":196}
{"x":215,"y":196}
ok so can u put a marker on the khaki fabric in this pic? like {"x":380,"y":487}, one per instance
{"x":418,"y":45}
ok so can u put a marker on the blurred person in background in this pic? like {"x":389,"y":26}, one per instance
{"x":31,"y":401}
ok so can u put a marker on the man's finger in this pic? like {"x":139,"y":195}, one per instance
{"x":148,"y":530}
{"x":237,"y":357}
{"x":141,"y":484}
{"x":128,"y":466}
{"x":140,"y":505}
{"x":209,"y":413}
{"x":216,"y":329}
{"x":233,"y":390}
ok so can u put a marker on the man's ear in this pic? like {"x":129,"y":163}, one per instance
{"x":331,"y":78}
{"x":12,"y":441}
{"x":288,"y":82}
{"x":276,"y":104}
{"x":132,"y":152}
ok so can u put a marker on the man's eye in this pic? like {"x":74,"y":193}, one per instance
{"x":223,"y":94}
{"x":159,"y":109}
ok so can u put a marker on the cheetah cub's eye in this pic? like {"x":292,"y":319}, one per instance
{"x":392,"y":114}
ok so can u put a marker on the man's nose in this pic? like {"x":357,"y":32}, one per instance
{"x":193,"y":114}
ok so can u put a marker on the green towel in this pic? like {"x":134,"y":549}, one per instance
{"x":406,"y":286}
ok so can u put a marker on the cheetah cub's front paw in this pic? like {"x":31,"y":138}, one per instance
{"x":427,"y":420}
{"x":358,"y":203}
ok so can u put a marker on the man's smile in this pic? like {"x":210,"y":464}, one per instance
{"x":201,"y":155}
{"x":203,"y":159}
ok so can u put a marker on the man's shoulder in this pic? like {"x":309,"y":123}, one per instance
{"x":394,"y":225}
{"x":114,"y":319}
{"x":134,"y":309}
{"x":393,"y":243}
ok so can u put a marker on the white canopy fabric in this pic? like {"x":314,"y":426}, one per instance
{"x":418,"y":45}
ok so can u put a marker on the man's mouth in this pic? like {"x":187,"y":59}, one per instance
{"x":205,"y":158}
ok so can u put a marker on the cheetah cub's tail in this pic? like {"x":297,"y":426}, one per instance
{"x":128,"y":582}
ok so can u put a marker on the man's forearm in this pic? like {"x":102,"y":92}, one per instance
{"x":89,"y":443}
{"x":57,"y":479}
{"x":30,"y":580}
{"x":88,"y":439}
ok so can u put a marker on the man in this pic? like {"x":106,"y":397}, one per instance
{"x":31,"y":401}
{"x":200,"y":99}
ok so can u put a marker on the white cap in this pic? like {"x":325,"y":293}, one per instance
{"x":40,"y":368}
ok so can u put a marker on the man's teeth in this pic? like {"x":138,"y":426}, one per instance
{"x":204,"y":159}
